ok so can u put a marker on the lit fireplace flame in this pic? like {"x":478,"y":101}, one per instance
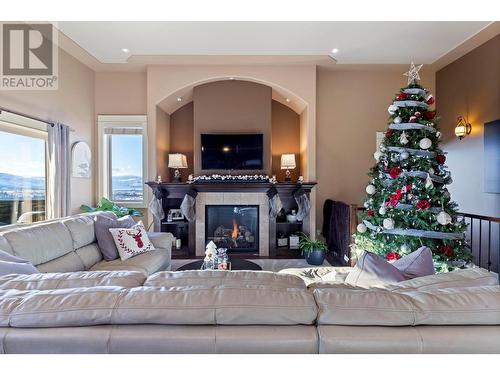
{"x":235,"y":232}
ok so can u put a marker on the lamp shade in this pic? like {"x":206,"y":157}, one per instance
{"x":177,"y":161}
{"x":288,"y":161}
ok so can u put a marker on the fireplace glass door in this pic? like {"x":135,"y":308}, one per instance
{"x":235,"y":228}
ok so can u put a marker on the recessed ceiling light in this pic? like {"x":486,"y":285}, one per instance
{"x":125,"y":50}
{"x":335,"y":50}
{"x":231,"y":78}
{"x":288,"y":100}
{"x":179,"y":99}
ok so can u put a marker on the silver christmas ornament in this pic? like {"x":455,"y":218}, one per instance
{"x":377,"y":155}
{"x":370,"y":189}
{"x":425,"y":143}
{"x":443,"y":218}
{"x":392,"y":109}
{"x":403,"y":138}
{"x":382,"y":210}
{"x":397,"y":120}
{"x":404,"y":155}
{"x":405,"y":249}
{"x":428,"y":182}
{"x":361,"y":228}
{"x":388,"y":223}
{"x":438,"y":135}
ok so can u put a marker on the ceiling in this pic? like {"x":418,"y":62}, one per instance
{"x":357,"y":42}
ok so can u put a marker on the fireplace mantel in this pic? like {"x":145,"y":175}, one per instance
{"x":192,"y":234}
{"x":175,"y":188}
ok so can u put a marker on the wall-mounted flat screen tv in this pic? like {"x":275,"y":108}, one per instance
{"x":231,"y":151}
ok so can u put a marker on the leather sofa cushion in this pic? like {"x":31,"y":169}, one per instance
{"x":312,"y":275}
{"x":409,"y":340}
{"x":149,"y":305}
{"x":40,"y":243}
{"x":49,"y":281}
{"x":81,"y":228}
{"x":147,"y":263}
{"x":70,"y":262}
{"x":4,"y":245}
{"x":345,"y":305}
{"x":207,"y":278}
{"x":90,"y":255}
{"x":456,"y":279}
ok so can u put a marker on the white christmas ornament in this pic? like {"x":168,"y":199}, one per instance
{"x":392,"y":109}
{"x":443,"y":218}
{"x":403,"y":139}
{"x":377,"y":155}
{"x":388,"y":223}
{"x":425,"y":143}
{"x":404,"y":249}
{"x":431,"y":170}
{"x":397,"y":120}
{"x":428,"y":182}
{"x":361,"y":228}
{"x":404,"y":155}
{"x":438,"y":135}
{"x":370,"y":189}
{"x":382,"y":210}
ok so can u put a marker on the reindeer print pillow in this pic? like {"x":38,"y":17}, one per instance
{"x":131,"y":241}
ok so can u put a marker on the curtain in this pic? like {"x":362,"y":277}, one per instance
{"x":58,"y":174}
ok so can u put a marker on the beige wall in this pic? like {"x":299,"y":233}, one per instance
{"x":470,"y":87}
{"x":352,"y":106}
{"x":73,"y":105}
{"x":182,"y":137}
{"x":285,"y":139}
{"x":232,"y":107}
{"x":120,"y":94}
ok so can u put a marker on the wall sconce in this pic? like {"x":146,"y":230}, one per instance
{"x":463,"y":128}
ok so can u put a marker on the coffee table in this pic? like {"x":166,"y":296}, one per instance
{"x":236,"y":265}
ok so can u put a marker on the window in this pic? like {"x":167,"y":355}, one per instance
{"x":23,"y":155}
{"x":123,"y":159}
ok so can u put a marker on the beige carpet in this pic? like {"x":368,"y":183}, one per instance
{"x":274,"y":265}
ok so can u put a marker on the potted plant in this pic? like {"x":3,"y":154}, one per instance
{"x":314,"y":251}
{"x":107,"y":205}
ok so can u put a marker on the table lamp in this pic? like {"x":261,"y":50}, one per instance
{"x":288,"y":162}
{"x":176,"y":161}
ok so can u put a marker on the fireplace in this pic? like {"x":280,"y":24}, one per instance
{"x":234,"y":227}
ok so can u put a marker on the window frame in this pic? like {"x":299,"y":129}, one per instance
{"x":24,"y":126}
{"x":104,"y":155}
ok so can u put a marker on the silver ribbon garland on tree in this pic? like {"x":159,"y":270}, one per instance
{"x":416,"y":232}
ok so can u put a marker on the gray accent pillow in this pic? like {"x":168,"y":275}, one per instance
{"x":416,"y":264}
{"x":8,"y":268}
{"x":371,"y":270}
{"x":6,"y":257}
{"x":105,"y":240}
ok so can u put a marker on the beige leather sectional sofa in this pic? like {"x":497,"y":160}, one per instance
{"x":244,"y":312}
{"x":69,"y":244}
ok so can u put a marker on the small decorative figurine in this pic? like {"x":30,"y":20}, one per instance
{"x":158,"y":180}
{"x":301,"y":179}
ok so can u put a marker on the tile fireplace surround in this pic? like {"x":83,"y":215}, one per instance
{"x":208,"y":198}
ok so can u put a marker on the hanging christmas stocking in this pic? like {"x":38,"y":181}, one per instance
{"x":303,"y":202}
{"x":188,"y":205}
{"x":156,"y":208}
{"x":275,"y":204}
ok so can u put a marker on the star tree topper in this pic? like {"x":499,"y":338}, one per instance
{"x":412,"y":74}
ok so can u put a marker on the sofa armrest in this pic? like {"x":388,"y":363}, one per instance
{"x":161,"y":240}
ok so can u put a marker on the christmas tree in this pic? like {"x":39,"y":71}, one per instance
{"x":408,"y":204}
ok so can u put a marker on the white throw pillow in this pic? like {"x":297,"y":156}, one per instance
{"x":131,"y":241}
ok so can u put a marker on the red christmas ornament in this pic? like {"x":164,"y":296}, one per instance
{"x":402,"y":96}
{"x":429,"y":115}
{"x":446,"y":250}
{"x":440,"y":159}
{"x":418,"y":114}
{"x":430,"y":100}
{"x":394,"y":198}
{"x":389,"y":133}
{"x":392,"y":256}
{"x":412,"y":119}
{"x":423,"y":204}
{"x":369,"y":212}
{"x":395,"y":171}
